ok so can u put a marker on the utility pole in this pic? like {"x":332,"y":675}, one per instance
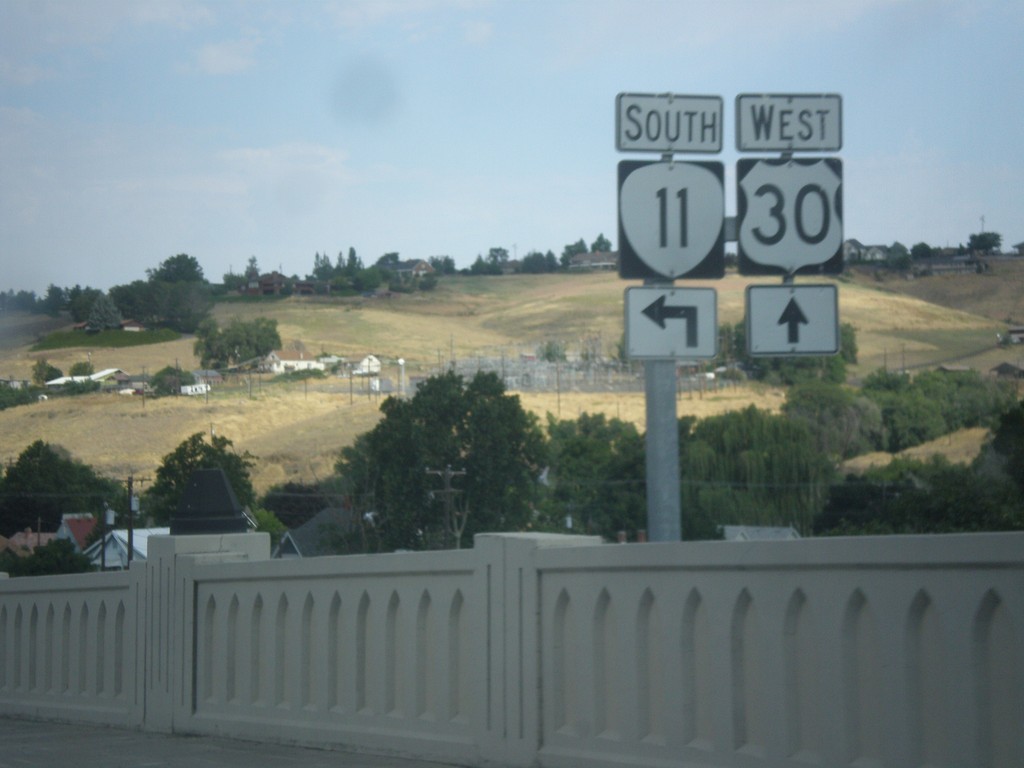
{"x":133,"y":510}
{"x":448,"y":473}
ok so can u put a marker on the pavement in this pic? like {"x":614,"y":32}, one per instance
{"x":36,"y":744}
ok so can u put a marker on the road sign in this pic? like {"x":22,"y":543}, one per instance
{"x":671,"y":220}
{"x":789,"y":216}
{"x":785,"y":320}
{"x":671,"y":323}
{"x":667,"y":122}
{"x":789,"y":122}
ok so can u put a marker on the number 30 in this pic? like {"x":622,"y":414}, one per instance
{"x":777,"y":212}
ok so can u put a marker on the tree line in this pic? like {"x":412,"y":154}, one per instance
{"x":462,"y":457}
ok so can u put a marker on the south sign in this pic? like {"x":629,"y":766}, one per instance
{"x":647,"y":122}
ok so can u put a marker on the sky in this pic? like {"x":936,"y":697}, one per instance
{"x":135,"y":130}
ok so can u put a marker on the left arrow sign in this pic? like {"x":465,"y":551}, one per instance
{"x":659,"y":313}
{"x":666,"y":323}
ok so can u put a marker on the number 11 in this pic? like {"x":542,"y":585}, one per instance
{"x":662,"y":195}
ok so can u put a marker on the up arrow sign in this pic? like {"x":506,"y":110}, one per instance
{"x":793,"y":317}
{"x":786,"y":320}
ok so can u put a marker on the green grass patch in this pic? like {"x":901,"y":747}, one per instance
{"x":109,"y":338}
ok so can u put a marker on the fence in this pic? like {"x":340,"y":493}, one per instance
{"x":547,"y":650}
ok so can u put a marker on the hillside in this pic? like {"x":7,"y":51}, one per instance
{"x":295,"y":430}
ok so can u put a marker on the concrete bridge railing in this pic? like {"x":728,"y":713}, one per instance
{"x":547,"y":650}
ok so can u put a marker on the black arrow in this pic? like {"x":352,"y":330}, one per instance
{"x":659,"y":313}
{"x":795,"y":317}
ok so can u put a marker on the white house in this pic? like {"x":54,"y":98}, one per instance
{"x":117,"y":547}
{"x":290,"y":360}
{"x":368,"y":366}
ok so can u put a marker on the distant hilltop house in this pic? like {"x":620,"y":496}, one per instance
{"x":412,"y":268}
{"x":290,"y":361}
{"x":856,"y":252}
{"x":269,"y":284}
{"x":596,"y":261}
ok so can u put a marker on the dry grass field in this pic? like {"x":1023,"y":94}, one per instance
{"x":295,"y":431}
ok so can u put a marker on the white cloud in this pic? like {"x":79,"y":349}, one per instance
{"x":477,"y":32}
{"x":228,"y":57}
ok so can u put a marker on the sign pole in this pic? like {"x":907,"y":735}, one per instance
{"x":661,"y":443}
{"x":664,"y":513}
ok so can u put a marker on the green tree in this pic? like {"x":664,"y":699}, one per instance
{"x":103,"y":314}
{"x":169,"y":380}
{"x":267,"y":522}
{"x":55,"y":300}
{"x":536,"y":263}
{"x":44,"y":482}
{"x":751,"y":467}
{"x":136,"y":301}
{"x":843,"y":423}
{"x":239,"y":342}
{"x":601,"y":245}
{"x":912,"y":497}
{"x":551,"y":351}
{"x":196,"y":453}
{"x":921,"y":252}
{"x":43,"y":372}
{"x":322,"y":268}
{"x":55,"y":557}
{"x":899,"y":257}
{"x":80,"y":301}
{"x":572,"y":249}
{"x":473,"y":427}
{"x":1008,"y":443}
{"x":985,"y":242}
{"x":595,"y":475}
{"x":443,"y":265}
{"x":81,"y":368}
{"x":177,"y":269}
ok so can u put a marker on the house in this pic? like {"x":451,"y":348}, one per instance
{"x":12,"y":383}
{"x":600,"y":260}
{"x":270,"y":284}
{"x":77,"y":528}
{"x":855,"y":251}
{"x":117,"y":547}
{"x":368,"y":366}
{"x":412,"y":268}
{"x":1015,"y":335}
{"x":289,"y":361}
{"x":1007,"y":371}
{"x":111,"y":375}
{"x":207,"y":376}
{"x":759,"y":533}
{"x":312,"y":538}
{"x":24,"y":542}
